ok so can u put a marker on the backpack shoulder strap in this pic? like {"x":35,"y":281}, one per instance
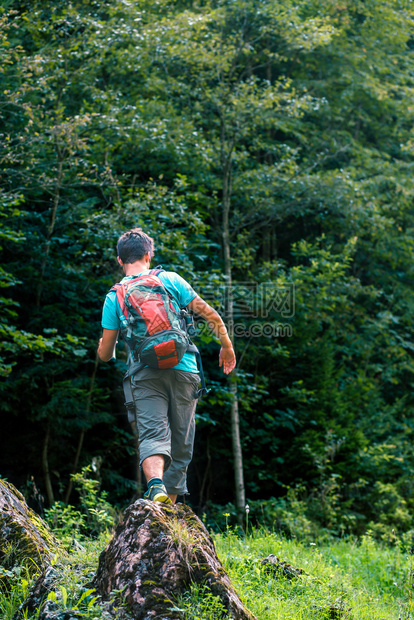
{"x":115,"y":287}
{"x":119,"y":289}
{"x":126,"y":383}
{"x":204,"y":390}
{"x":157,"y":270}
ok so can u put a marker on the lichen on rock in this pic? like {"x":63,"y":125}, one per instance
{"x":154,"y":556}
{"x":24,"y":537}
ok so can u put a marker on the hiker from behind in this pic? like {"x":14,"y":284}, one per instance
{"x":149,"y":309}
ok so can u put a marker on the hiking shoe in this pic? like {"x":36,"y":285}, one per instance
{"x":157,"y":493}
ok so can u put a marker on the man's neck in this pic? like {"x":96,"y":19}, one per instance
{"x":133,"y":269}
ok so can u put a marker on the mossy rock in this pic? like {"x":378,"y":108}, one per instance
{"x":24,"y":537}
{"x":156,"y":554}
{"x":280,"y":568}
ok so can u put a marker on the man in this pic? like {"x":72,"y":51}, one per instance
{"x":164,"y":399}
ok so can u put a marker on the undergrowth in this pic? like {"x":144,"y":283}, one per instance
{"x":199,"y":603}
{"x":350,"y":579}
{"x":344,"y":578}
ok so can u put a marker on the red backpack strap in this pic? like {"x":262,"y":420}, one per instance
{"x":157,"y":270}
{"x":120,"y":295}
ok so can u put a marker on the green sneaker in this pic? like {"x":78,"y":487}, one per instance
{"x":157,"y":493}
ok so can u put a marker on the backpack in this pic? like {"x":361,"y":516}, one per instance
{"x":156,"y":333}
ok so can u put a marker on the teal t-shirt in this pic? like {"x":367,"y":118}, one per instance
{"x":182,"y":292}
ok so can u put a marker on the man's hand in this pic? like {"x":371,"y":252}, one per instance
{"x":227,"y":359}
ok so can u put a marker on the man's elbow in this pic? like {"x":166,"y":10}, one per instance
{"x":103,"y":355}
{"x":202,"y":308}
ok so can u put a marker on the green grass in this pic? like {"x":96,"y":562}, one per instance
{"x":362,"y":581}
{"x":70,"y":592}
{"x":14,"y":587}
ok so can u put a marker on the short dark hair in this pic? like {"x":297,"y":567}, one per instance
{"x":133,"y":245}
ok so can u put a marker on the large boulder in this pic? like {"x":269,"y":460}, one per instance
{"x":24,"y":537}
{"x":154,"y":555}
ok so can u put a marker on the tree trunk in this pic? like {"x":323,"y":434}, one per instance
{"x":45,"y":467}
{"x":237,"y":453}
{"x":139,"y":471}
{"x":83,"y":431}
{"x":51,"y":228}
{"x":156,"y":554}
{"x":235,"y":424}
{"x":206,"y":476}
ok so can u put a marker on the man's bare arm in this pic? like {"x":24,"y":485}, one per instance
{"x":106,"y":347}
{"x":227,"y":357}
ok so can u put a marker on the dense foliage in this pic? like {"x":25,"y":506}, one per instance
{"x":282,"y":129}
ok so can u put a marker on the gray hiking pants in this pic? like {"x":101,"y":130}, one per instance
{"x":164,"y":409}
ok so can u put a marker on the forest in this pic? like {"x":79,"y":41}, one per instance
{"x":268,"y":148}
